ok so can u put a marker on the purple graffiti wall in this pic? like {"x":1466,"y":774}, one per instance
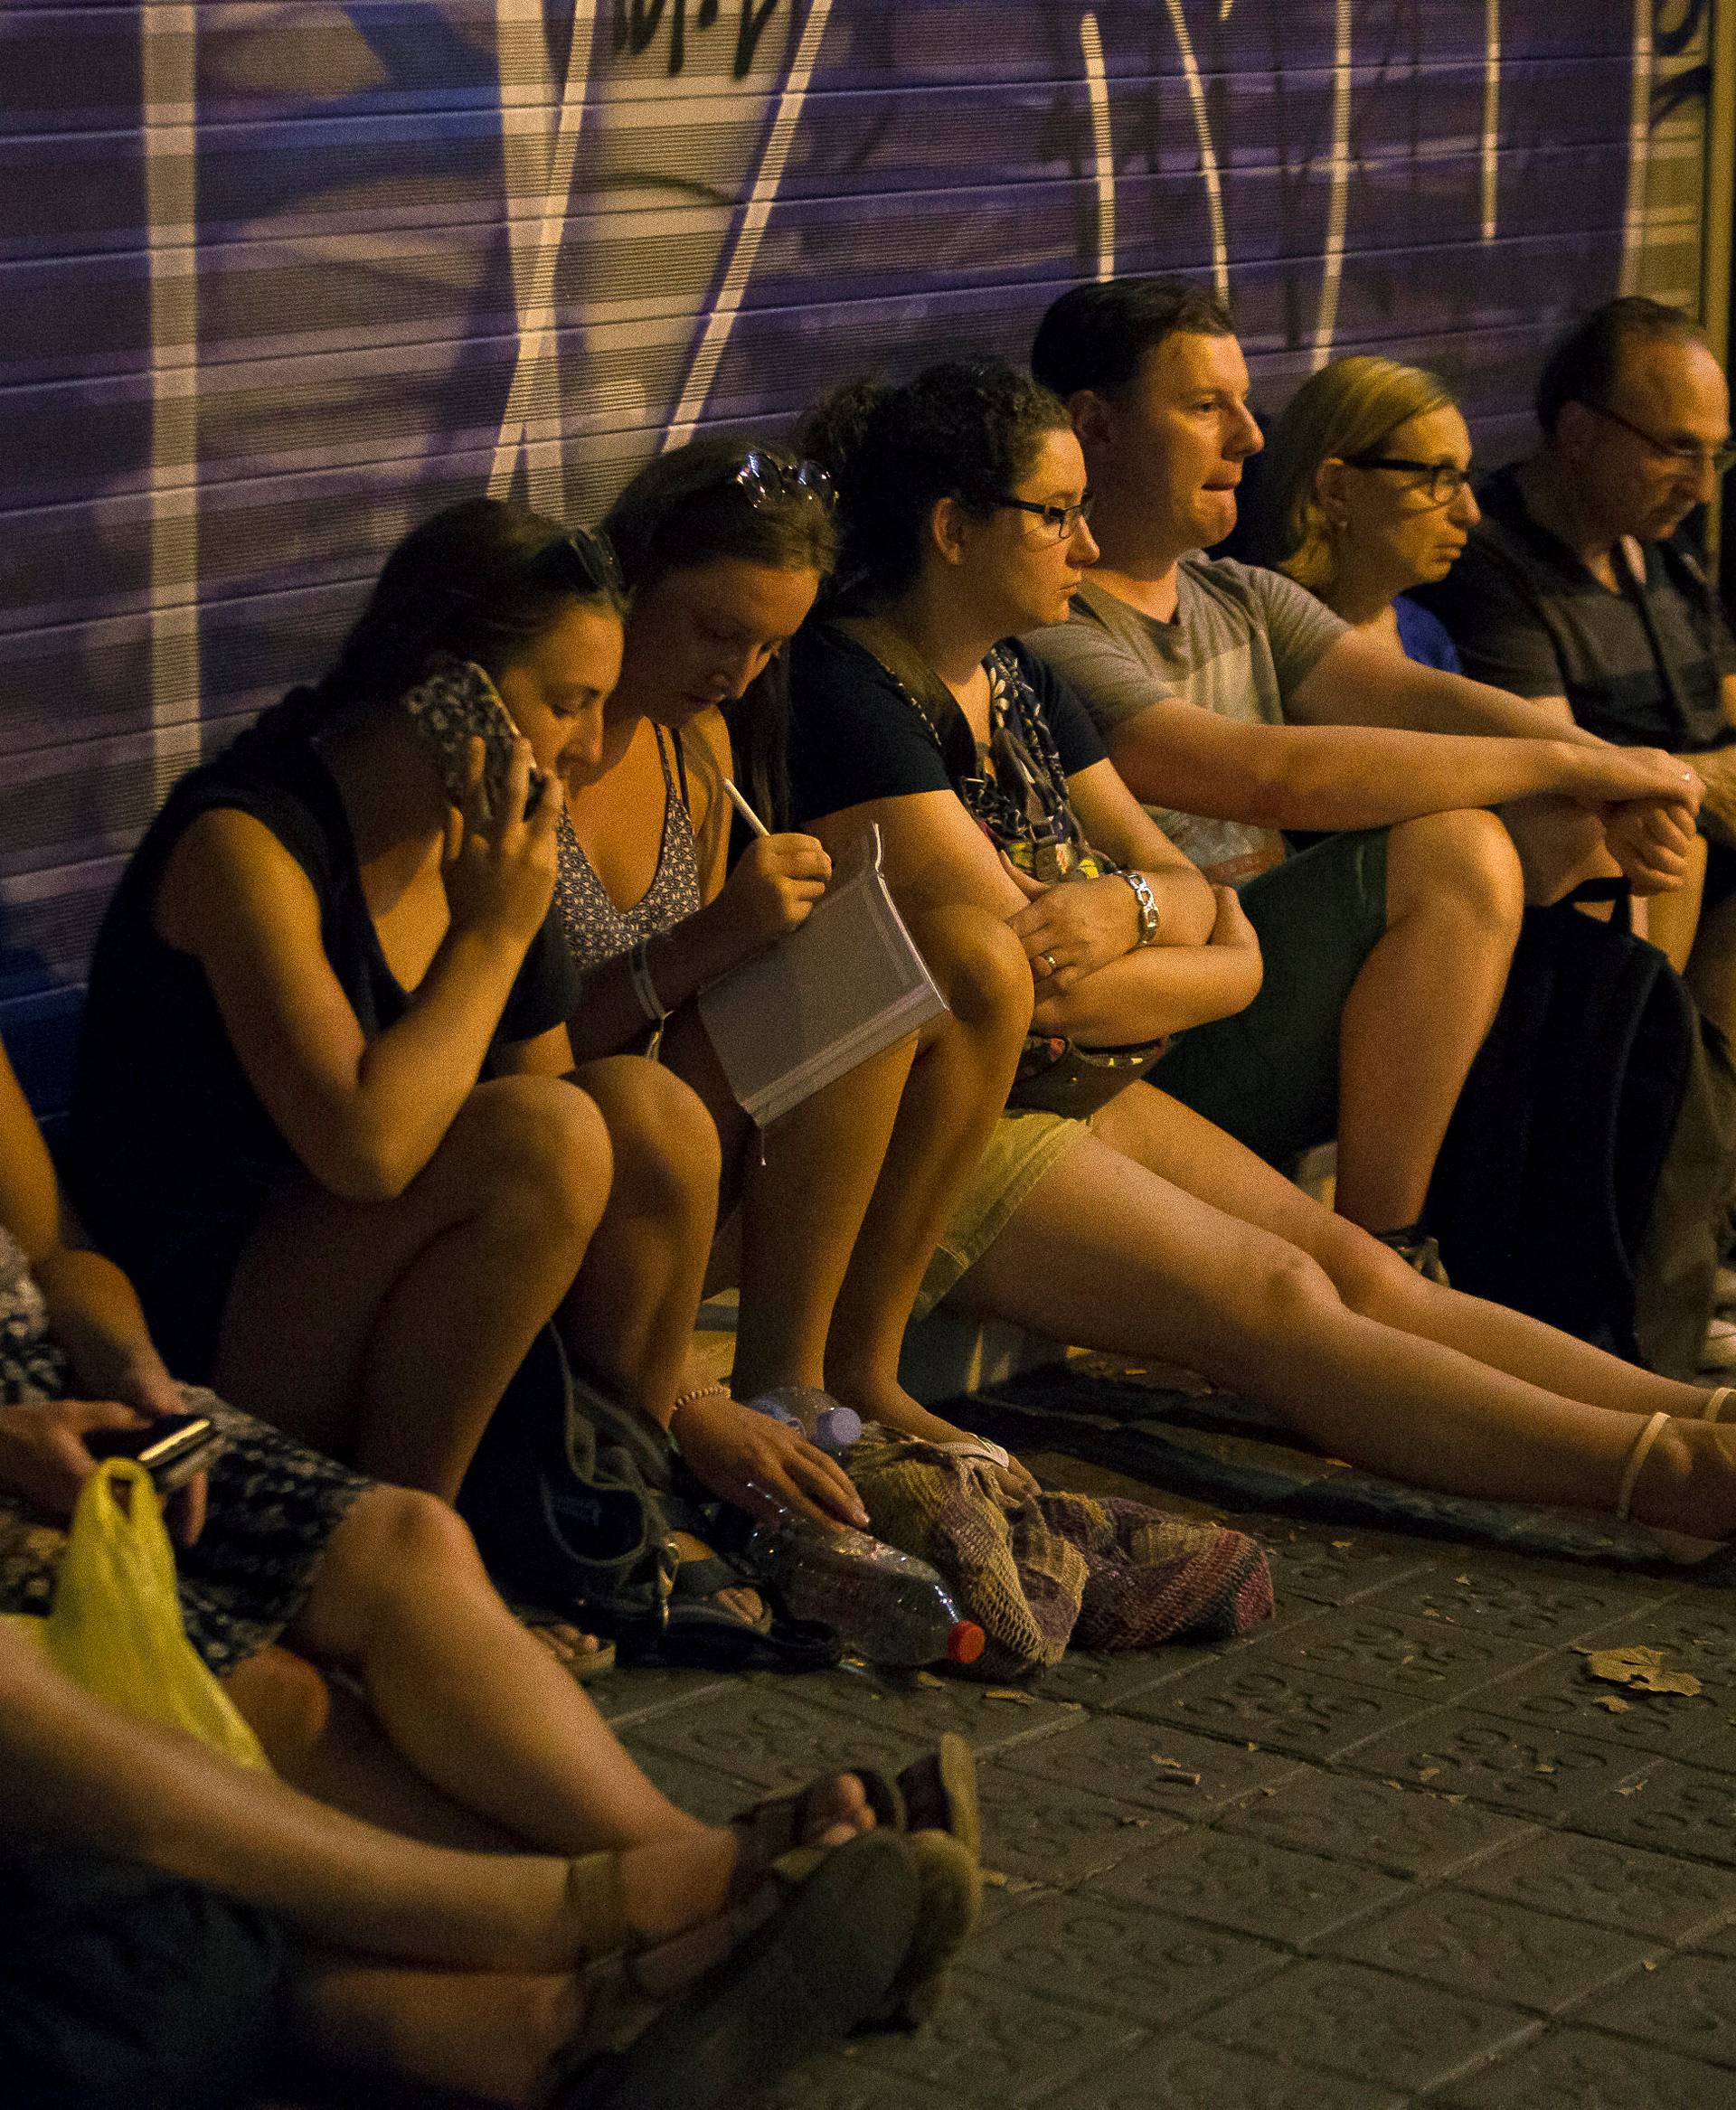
{"x":283,"y":277}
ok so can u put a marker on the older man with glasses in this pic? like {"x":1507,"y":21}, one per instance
{"x":1581,"y":589}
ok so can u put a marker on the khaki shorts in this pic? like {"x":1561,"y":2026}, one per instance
{"x":1024,"y":1147}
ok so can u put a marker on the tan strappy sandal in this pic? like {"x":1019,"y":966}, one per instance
{"x":829,"y":1955}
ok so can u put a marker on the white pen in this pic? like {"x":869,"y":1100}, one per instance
{"x":745,"y":810}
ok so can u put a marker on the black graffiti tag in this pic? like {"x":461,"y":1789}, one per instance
{"x":637,"y":22}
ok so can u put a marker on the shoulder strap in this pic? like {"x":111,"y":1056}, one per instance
{"x":681,"y":764}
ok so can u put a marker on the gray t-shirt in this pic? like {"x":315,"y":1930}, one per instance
{"x":1242,"y":638}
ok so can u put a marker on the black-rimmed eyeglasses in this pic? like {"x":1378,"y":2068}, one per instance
{"x":1443,"y":481}
{"x":1683,"y":455}
{"x":1059,"y":523}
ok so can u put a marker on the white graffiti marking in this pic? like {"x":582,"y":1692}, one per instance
{"x":1208,"y":153}
{"x":762,"y":197}
{"x":539,"y":145}
{"x":1090,"y":45}
{"x":1639,"y":147}
{"x":1491,"y":113}
{"x":1333,"y":263}
{"x":167,"y":47}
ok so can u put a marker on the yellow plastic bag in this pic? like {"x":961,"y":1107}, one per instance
{"x":115,"y":1625}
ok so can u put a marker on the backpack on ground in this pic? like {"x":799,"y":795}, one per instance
{"x":1588,"y":1174}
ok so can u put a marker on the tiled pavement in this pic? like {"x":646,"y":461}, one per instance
{"x":1422,"y":1863}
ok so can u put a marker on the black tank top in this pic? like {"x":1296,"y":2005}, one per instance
{"x":172,"y":1158}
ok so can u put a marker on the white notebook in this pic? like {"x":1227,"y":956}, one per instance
{"x":835,"y":991}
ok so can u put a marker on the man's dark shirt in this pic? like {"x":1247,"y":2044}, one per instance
{"x":1527,"y":616}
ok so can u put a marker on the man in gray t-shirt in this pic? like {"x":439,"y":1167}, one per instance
{"x":1237,"y":707}
{"x":1242,"y":640}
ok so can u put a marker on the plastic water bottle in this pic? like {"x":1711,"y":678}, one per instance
{"x":826,"y":1425}
{"x":888,"y":1606}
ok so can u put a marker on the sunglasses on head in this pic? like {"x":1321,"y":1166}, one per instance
{"x":765,"y":475}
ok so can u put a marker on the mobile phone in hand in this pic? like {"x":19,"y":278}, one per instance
{"x":454,"y":704}
{"x":173,"y":1450}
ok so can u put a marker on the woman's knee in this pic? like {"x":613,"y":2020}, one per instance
{"x":979,"y":965}
{"x":664,"y":1140}
{"x":1369,"y":1278}
{"x":537,"y":1145}
{"x":1282,"y":1291}
{"x":394,"y":1540}
{"x":1463,"y":863}
{"x":283,"y":1699}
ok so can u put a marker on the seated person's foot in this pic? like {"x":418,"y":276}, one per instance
{"x":694,"y":2002}
{"x":890,"y":1405}
{"x":583,"y":1654}
{"x":741,"y":1603}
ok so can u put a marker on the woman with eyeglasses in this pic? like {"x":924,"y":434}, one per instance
{"x":723,"y":547}
{"x":1143,"y":1229}
{"x":1363,"y":495}
{"x":323,"y":1116}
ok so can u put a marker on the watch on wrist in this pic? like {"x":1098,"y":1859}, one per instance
{"x":1148,"y":904}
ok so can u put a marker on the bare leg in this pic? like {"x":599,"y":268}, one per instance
{"x":1175,"y":1142}
{"x":408,"y":1317}
{"x":958,"y":1084}
{"x":1673,"y":920}
{"x":1560,"y":844}
{"x":1108,"y":1253}
{"x":474,"y":1705}
{"x":1711,"y":970}
{"x":486,"y":2036}
{"x":630,"y":1312}
{"x":1419,"y":1010}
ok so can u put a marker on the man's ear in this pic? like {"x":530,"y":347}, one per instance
{"x":947,"y":530}
{"x":1576,"y":427}
{"x":1093,"y":416}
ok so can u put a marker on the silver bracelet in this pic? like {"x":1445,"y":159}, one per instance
{"x":1147,"y":901}
{"x":643,"y":988}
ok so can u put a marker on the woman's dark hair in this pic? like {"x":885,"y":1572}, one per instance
{"x":968,"y":432}
{"x":1583,"y":366}
{"x":483,"y":580}
{"x":714,"y":500}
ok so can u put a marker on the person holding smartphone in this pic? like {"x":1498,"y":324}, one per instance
{"x":448,"y":1838}
{"x":326,"y":1113}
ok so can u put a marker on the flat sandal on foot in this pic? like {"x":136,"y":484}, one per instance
{"x":950,"y":1904}
{"x":1637,"y":1458}
{"x":1714,"y":1406}
{"x":769,"y":1829}
{"x":828,"y":1959}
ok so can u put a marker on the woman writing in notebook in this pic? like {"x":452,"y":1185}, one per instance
{"x":1143,"y":1230}
{"x":840,"y":1202}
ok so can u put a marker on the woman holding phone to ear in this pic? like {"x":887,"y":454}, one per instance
{"x":324,"y":1115}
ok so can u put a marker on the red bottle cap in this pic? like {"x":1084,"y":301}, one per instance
{"x":966,"y":1642}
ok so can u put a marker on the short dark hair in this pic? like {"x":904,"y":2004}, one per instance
{"x":1581,"y":366}
{"x":1096,"y":336}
